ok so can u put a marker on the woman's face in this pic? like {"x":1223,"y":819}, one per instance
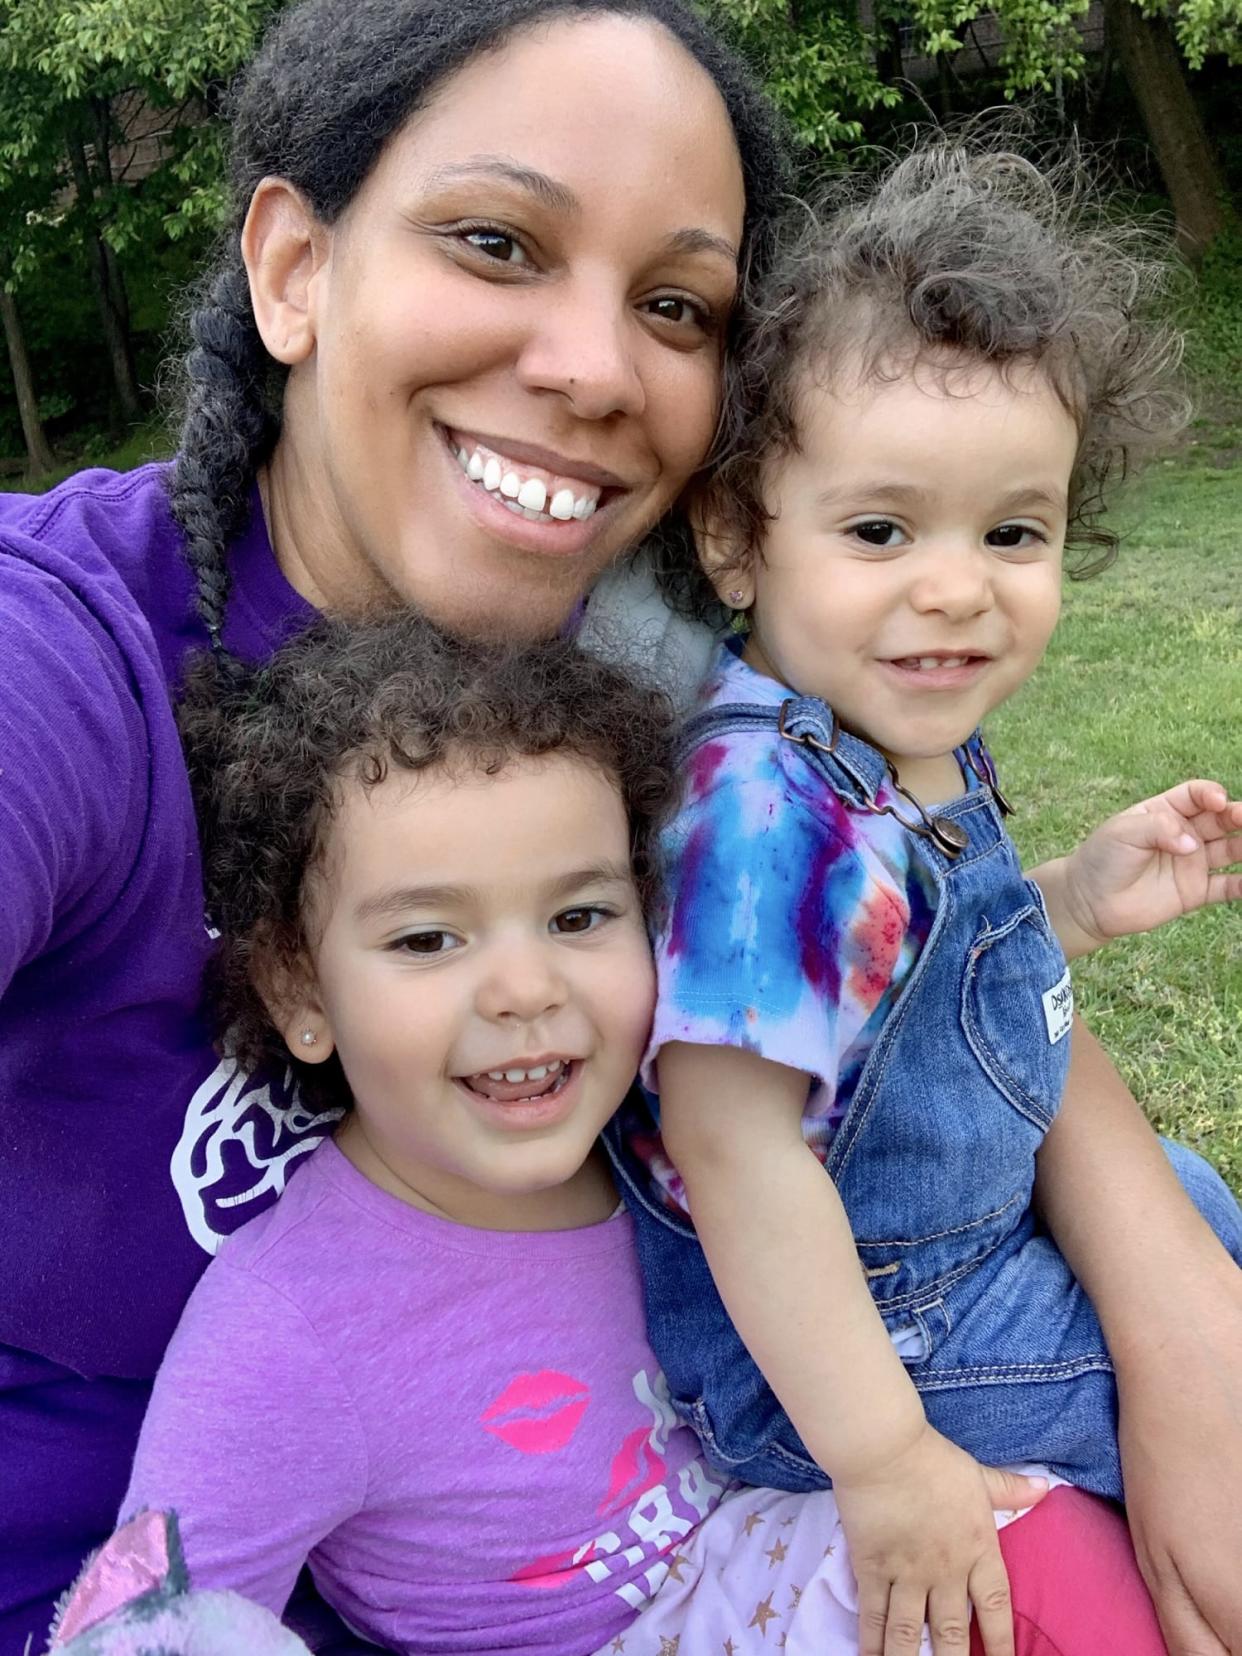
{"x":515,"y":333}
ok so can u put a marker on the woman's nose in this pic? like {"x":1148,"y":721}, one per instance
{"x":584,"y":349}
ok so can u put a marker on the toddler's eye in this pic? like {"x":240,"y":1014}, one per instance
{"x":573,"y":922}
{"x":496,"y":244}
{"x":426,"y":944}
{"x":1014,"y":537}
{"x":880,"y":532}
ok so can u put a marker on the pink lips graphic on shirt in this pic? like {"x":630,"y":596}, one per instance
{"x":537,"y":1414}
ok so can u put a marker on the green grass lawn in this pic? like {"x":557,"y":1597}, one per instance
{"x":1141,"y":688}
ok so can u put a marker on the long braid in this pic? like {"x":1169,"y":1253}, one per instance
{"x":227,"y":433}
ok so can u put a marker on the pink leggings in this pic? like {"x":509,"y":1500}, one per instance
{"x":1075,"y":1582}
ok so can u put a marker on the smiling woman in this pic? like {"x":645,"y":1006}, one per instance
{"x":464,"y":347}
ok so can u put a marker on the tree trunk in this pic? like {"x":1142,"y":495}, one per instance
{"x":1149,"y":60}
{"x":109,"y":287}
{"x":38,"y":450}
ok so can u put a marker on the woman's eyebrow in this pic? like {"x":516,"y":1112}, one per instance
{"x":546,"y":190}
{"x":550,"y":192}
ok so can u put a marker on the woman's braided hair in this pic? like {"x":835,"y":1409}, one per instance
{"x":345,"y":704}
{"x":961,"y":249}
{"x":332,"y":83}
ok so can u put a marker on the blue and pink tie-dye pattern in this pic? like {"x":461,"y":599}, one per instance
{"x":788,"y":923}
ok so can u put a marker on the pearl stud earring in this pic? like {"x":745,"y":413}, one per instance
{"x":308,"y":1037}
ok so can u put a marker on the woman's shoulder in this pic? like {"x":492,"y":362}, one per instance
{"x":107,"y":533}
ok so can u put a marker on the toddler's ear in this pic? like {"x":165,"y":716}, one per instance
{"x":291,"y":995}
{"x":723,"y":556}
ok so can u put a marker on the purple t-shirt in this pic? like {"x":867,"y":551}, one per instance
{"x":128,"y":1149}
{"x":465,"y":1430}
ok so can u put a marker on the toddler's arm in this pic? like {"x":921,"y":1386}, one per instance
{"x":1162,"y":858}
{"x":251,"y":1438}
{"x":916,"y":1509}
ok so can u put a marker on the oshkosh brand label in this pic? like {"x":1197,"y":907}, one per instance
{"x":1059,"y":1008}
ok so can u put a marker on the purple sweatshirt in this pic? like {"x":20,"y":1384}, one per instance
{"x":127,"y":1149}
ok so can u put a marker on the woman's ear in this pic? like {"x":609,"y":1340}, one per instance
{"x":726,"y":561}
{"x":284,"y":245}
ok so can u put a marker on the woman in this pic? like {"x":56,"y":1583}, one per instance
{"x":484,"y":261}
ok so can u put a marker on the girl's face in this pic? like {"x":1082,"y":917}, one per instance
{"x":912,"y":576}
{"x":513,"y":335}
{"x":482,"y":969}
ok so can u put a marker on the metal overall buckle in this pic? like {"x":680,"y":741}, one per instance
{"x":950,"y":837}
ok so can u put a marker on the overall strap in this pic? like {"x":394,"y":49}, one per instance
{"x":852,"y":768}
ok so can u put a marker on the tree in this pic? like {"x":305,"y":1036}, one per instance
{"x":825,"y":70}
{"x":817,"y":61}
{"x":1043,"y":51}
{"x":67,"y":70}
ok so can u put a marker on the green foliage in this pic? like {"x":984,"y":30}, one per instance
{"x":817,"y":61}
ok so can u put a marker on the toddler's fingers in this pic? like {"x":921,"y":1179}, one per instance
{"x":873,"y":1594}
{"x":907,"y":1613}
{"x":989,"y":1593}
{"x":948,"y":1618}
{"x":1198,"y":794}
{"x":1012,"y":1491}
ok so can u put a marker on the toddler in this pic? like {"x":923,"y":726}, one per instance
{"x":864,"y":1009}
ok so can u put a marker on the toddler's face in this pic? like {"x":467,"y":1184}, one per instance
{"x":912,"y":576}
{"x":483,"y":971}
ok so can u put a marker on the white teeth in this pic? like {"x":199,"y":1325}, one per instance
{"x":539,"y":1072}
{"x":526,"y":496}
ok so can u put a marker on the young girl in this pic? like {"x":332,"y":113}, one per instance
{"x":425,"y":1369}
{"x":855,"y":979}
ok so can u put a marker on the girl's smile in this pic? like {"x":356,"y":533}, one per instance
{"x":911,"y":577}
{"x":482,"y":970}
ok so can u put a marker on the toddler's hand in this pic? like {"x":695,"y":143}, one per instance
{"x":924,"y":1549}
{"x":1162,"y":858}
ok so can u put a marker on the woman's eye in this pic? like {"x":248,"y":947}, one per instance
{"x":426,"y":944}
{"x":496,"y":244}
{"x":881,"y":532}
{"x":682,"y":312}
{"x":1014,"y":537}
{"x":572,"y":922}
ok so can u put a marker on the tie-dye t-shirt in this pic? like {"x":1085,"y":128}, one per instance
{"x":788,"y":923}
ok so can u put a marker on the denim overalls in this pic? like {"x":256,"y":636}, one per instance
{"x":935,"y":1163}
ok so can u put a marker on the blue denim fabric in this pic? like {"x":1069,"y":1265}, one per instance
{"x":935,"y":1164}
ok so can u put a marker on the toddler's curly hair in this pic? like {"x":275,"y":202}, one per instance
{"x":958,"y":249}
{"x":352,"y":703}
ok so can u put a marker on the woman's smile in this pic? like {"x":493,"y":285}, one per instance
{"x":507,"y":350}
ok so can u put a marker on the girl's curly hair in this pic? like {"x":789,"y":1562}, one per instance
{"x":961,"y":246}
{"x":351,"y":703}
